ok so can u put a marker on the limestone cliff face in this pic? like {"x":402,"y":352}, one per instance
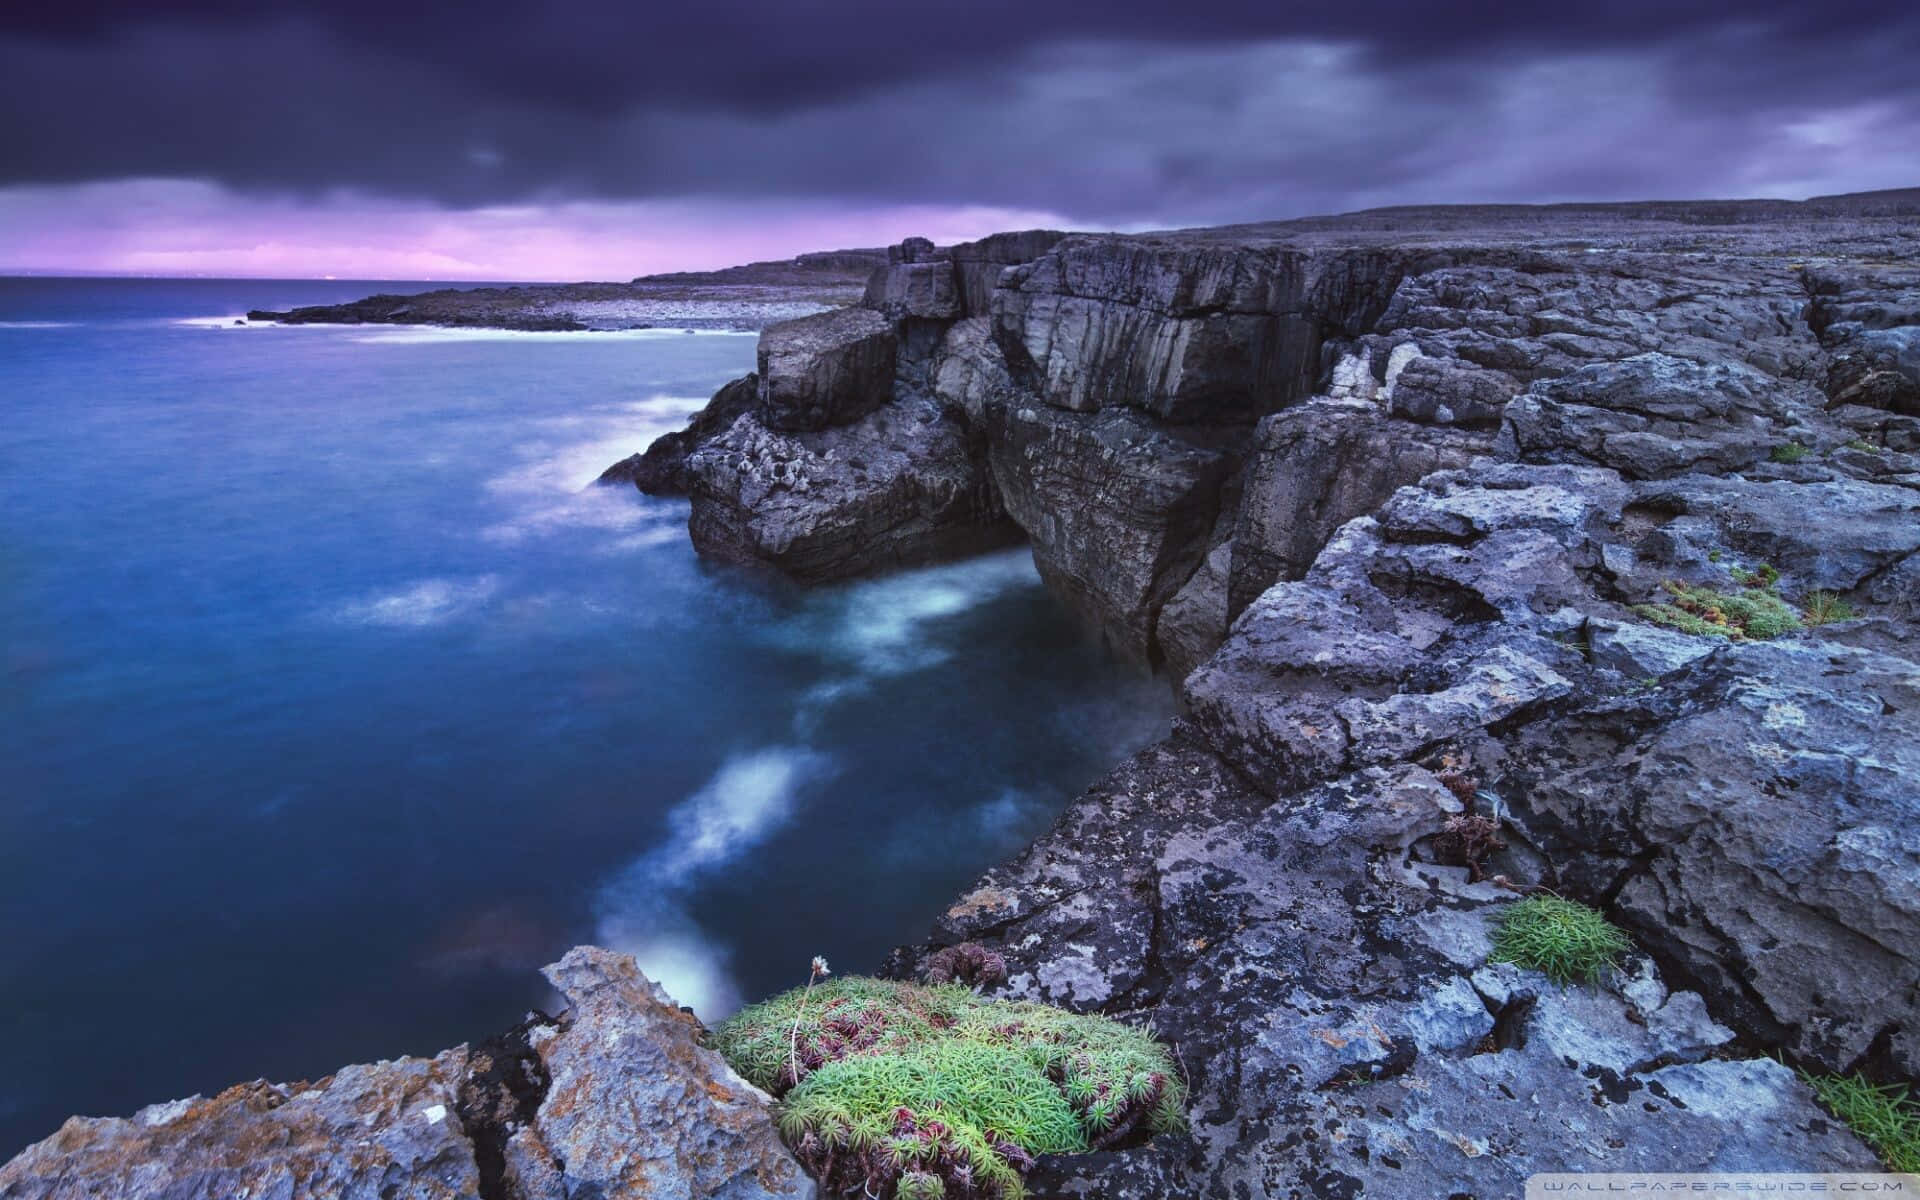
{"x":1132,"y":403}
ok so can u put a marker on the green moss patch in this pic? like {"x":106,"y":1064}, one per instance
{"x":1883,"y":1117}
{"x":906,"y":1091}
{"x":1752,"y":612}
{"x":1562,"y":938}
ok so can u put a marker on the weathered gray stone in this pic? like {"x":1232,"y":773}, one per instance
{"x":637,"y":1109}
{"x":388,"y":1131}
{"x":661,"y":470}
{"x":1772,"y":843}
{"x":904,"y":484}
{"x":1194,"y":623}
{"x":1318,"y":974}
{"x":1118,"y":511}
{"x":1642,"y":651}
{"x":1652,"y":416}
{"x":915,"y":289}
{"x":1316,"y":466}
{"x":826,"y":370}
{"x":619,"y":1101}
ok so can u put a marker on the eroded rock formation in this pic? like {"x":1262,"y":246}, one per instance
{"x":616,"y":1100}
{"x":1391,"y":507}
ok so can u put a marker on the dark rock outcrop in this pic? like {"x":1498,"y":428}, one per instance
{"x":615,"y":1101}
{"x":661,"y":469}
{"x":827,"y":370}
{"x":906,"y":484}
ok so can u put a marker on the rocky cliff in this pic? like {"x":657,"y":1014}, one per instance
{"x":1398,"y":501}
{"x":1492,"y":551}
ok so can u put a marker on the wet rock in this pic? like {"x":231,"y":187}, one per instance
{"x":826,"y":370}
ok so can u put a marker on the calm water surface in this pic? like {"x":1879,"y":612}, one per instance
{"x":331,"y":705}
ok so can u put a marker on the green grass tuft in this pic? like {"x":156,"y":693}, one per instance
{"x":1789,"y":452}
{"x":1884,"y":1117}
{"x":1753,"y":612}
{"x":1863,"y":445}
{"x":912,"y":1091}
{"x":1566,"y":940}
{"x":1825,"y":608}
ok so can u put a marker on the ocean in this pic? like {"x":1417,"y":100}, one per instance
{"x":334,"y":701}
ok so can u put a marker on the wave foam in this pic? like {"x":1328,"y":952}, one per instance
{"x":642,"y":910}
{"x":421,"y":604}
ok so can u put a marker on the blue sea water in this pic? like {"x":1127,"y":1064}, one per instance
{"x":333,"y":702}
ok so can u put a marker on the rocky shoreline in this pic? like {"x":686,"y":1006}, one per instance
{"x":1415,"y":507}
{"x":748,"y":297}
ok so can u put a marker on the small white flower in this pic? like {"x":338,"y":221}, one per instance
{"x":820,"y":966}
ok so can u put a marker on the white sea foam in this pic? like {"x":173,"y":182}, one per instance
{"x":422,"y":603}
{"x":38,"y":324}
{"x":229,"y":321}
{"x":691,"y":968}
{"x":550,"y":487}
{"x":642,"y":910}
{"x":879,"y":627}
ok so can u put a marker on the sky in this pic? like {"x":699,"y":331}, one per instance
{"x":602,"y":139}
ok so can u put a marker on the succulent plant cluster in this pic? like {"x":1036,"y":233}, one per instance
{"x":969,"y":963}
{"x":907,"y":1091}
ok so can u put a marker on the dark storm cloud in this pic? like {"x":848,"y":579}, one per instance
{"x":1116,"y":112}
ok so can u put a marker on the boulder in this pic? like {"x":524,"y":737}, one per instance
{"x":637,"y":1109}
{"x":915,"y":289}
{"x":826,"y":370}
{"x":384,"y":1131}
{"x":979,"y":265}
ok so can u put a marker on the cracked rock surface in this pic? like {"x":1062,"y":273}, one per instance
{"x":614,"y":1101}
